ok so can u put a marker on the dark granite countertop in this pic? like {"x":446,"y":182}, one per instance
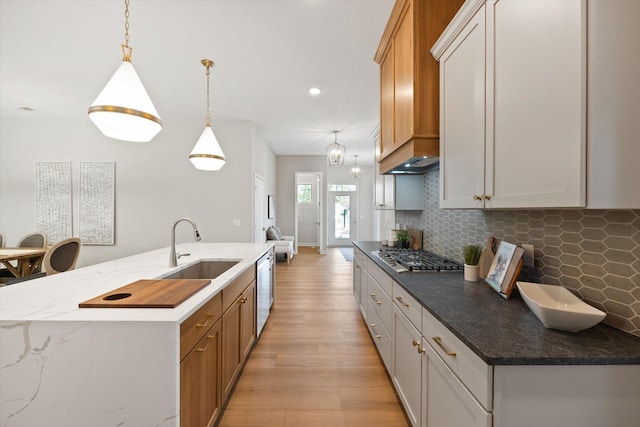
{"x":506,"y":332}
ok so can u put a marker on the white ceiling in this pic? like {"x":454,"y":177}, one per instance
{"x":56,"y":56}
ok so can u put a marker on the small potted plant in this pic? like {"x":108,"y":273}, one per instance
{"x":403,"y":239}
{"x":471,"y":257}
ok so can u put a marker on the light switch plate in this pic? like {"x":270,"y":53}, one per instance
{"x":528,"y":256}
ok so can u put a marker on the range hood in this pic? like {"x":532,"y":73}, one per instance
{"x":415,"y":157}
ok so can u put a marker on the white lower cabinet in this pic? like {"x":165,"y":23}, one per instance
{"x":446,"y":401}
{"x":381,"y":336}
{"x":441,"y":382}
{"x":407,"y":365}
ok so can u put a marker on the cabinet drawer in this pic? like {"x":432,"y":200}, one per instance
{"x":378,"y":274}
{"x":380,"y":336}
{"x":476,"y":375}
{"x":381,"y":304}
{"x":449,"y":403}
{"x":194,"y":328}
{"x":407,"y":305}
{"x":233,"y":290}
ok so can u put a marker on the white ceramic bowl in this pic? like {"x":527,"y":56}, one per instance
{"x":558,"y":308}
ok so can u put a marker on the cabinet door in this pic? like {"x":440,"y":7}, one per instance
{"x":614,"y":92}
{"x":231,"y":321}
{"x":356,"y":278}
{"x":403,"y":44}
{"x":200,"y":390}
{"x":407,"y":366}
{"x":387,"y":91}
{"x":248,"y":320}
{"x":462,"y":121}
{"x":384,"y":191}
{"x":536,"y":109}
{"x":448,"y":402}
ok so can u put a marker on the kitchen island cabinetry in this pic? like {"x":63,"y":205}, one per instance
{"x":409,"y":79}
{"x":513,"y":105}
{"x":238,"y":328}
{"x":200,"y":388}
{"x":134,"y":366}
{"x":463,"y":356}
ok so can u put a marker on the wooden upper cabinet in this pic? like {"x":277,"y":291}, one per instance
{"x":409,"y":82}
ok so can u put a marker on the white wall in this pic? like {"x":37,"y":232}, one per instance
{"x":155,"y":182}
{"x":287,"y":166}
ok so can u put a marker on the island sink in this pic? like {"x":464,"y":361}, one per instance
{"x":202,"y":270}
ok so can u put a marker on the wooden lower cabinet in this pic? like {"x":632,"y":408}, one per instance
{"x":238,"y":335}
{"x":200,"y":393}
{"x":211,"y":360}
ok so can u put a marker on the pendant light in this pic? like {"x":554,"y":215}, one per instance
{"x":335,"y":152}
{"x":123,"y":110}
{"x":355,"y":170}
{"x":207,"y":154}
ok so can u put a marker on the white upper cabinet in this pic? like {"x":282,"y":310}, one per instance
{"x":521,"y":126}
{"x":513,"y":109}
{"x":613,"y":131}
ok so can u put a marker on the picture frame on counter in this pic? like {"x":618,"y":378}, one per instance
{"x":505,"y":268}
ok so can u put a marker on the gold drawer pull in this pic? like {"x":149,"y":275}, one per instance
{"x":476,"y":197}
{"x":422,"y":350}
{"x":202,"y":325}
{"x":438,"y":341}
{"x":243,"y":300}
{"x":200,"y":350}
{"x":402,"y":301}
{"x":373,"y":326}
{"x":375,"y":299}
{"x":416,"y":343}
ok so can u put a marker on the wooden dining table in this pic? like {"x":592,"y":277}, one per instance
{"x":28,"y":260}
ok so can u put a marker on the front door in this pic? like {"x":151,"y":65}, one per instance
{"x":342,"y":218}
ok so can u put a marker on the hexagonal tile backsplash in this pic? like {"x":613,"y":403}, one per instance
{"x":595,"y":253}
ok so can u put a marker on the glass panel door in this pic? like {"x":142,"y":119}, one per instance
{"x":342,"y":218}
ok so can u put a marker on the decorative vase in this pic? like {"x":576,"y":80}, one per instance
{"x":471,"y":273}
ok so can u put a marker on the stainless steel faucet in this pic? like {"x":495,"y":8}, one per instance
{"x":173,"y":257}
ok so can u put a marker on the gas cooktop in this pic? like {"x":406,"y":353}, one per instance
{"x":407,"y":260}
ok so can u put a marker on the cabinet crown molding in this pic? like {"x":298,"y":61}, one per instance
{"x":464,"y":15}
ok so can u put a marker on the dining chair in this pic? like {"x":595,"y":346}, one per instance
{"x":62,"y":256}
{"x":3,"y":240}
{"x":33,"y":240}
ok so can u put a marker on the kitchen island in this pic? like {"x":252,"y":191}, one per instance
{"x":459,"y":354}
{"x":61,"y":365}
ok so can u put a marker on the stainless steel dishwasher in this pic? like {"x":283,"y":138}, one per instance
{"x":265,"y":289}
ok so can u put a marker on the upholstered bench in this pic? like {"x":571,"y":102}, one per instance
{"x":281,"y":244}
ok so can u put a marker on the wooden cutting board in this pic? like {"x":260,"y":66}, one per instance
{"x":416,"y":238}
{"x":486,"y":257}
{"x":159,"y":293}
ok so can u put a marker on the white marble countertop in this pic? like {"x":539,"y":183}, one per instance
{"x":56,"y":298}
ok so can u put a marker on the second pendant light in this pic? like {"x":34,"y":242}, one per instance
{"x":207,"y":154}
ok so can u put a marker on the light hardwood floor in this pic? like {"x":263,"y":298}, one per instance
{"x":315,"y":363}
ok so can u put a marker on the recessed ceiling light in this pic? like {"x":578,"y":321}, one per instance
{"x":315,"y":91}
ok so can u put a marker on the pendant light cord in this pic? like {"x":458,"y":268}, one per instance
{"x":126,"y":50}
{"x":208,"y":95}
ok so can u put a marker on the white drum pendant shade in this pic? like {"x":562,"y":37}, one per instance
{"x":207,"y":154}
{"x":123,"y":110}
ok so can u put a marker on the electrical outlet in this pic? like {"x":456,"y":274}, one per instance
{"x":236,"y":223}
{"x":528,"y":256}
